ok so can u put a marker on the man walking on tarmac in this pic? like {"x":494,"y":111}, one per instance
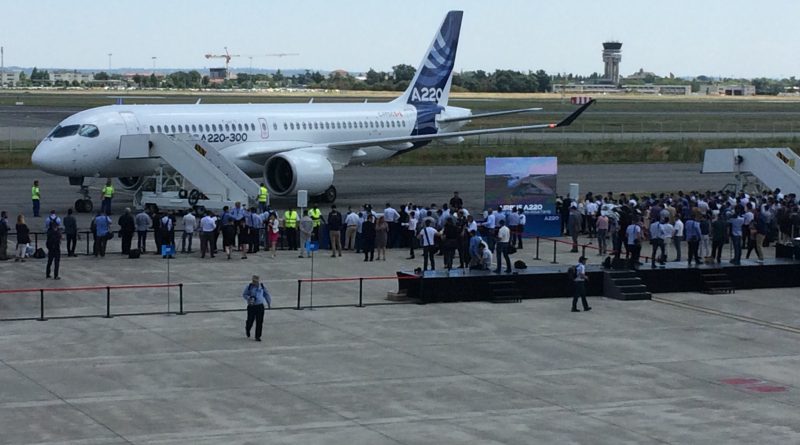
{"x":106,"y":194}
{"x":256,"y":296}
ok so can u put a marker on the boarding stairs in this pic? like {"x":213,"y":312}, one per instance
{"x":624,"y":285}
{"x":716,"y":281}
{"x":774,"y":167}
{"x":218,"y":181}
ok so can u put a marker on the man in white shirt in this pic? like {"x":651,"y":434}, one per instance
{"x":411,"y":231}
{"x":392,"y":218}
{"x":207,"y":226}
{"x":490,"y":225}
{"x":580,"y":286}
{"x":351,"y":222}
{"x":634,"y":242}
{"x":189,"y":224}
{"x":656,"y":241}
{"x":520,"y":227}
{"x":503,"y":238}
{"x":677,"y":237}
{"x":427,"y":238}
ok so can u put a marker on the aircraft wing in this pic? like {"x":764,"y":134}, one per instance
{"x":484,"y":115}
{"x":398,"y":141}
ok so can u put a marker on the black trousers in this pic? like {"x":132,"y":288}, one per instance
{"x":579,"y":292}
{"x":255,"y":312}
{"x":127,"y":238}
{"x":142,"y":241}
{"x":53,"y":259}
{"x":428,"y":252}
{"x":72,"y":242}
{"x":694,"y":246}
{"x":291,"y":238}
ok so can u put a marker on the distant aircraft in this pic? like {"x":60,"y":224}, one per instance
{"x":294,"y":146}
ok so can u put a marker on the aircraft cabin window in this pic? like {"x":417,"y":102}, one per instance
{"x":285,"y":126}
{"x":316,"y":127}
{"x":275,"y":126}
{"x":227,"y":128}
{"x":304,"y":125}
{"x":62,"y":132}
{"x":327,"y":126}
{"x":89,"y":131}
{"x":152,"y":130}
{"x":194,"y":128}
{"x":173,"y":129}
{"x":291,"y":125}
{"x":214,"y":127}
{"x":381,"y":124}
{"x":158,"y":127}
{"x":180,"y":128}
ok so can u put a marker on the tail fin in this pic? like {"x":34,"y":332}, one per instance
{"x":431,"y":84}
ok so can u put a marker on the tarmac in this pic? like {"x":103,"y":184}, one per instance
{"x":682,"y":368}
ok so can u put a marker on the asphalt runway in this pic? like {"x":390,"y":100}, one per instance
{"x":399,"y":184}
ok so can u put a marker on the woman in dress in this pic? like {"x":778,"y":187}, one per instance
{"x":23,"y":238}
{"x":381,"y":237}
{"x":273,"y":232}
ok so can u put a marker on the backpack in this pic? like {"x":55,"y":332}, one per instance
{"x":39,"y":253}
{"x":134,"y":254}
{"x":519,"y":264}
{"x":572,"y":272}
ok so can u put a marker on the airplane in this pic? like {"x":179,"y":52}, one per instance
{"x":292,"y":146}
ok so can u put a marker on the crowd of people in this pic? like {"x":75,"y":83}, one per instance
{"x":704,"y":221}
{"x":694,"y":226}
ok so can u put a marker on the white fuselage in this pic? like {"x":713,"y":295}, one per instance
{"x":237,"y":131}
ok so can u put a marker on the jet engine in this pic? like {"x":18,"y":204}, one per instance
{"x":130,"y":182}
{"x":288,"y":172}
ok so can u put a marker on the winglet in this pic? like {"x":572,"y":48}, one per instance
{"x":568,"y":120}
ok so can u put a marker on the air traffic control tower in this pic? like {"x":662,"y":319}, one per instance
{"x":612,"y":55}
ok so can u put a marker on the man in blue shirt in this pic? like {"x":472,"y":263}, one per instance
{"x":693,"y":235}
{"x":102,"y":225}
{"x":256,"y":296}
{"x":736,"y":222}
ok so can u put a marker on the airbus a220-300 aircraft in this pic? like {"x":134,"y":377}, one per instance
{"x":294,"y":146}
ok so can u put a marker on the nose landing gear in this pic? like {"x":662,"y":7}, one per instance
{"x":84,"y":205}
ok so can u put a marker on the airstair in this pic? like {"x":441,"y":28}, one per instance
{"x":216,"y":181}
{"x":774,"y":167}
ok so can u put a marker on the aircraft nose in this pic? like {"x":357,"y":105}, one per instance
{"x":45,"y":158}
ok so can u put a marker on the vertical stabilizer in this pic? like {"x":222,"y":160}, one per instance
{"x":431,"y":83}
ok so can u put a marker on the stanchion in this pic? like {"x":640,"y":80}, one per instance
{"x":180,"y":299}
{"x":41,"y":305}
{"x":108,"y":301}
{"x":87,"y":243}
{"x":583,"y":250}
{"x":35,"y":240}
{"x":360,"y":292}
{"x":537,"y":249}
{"x":299,"y":282}
{"x":554,"y":253}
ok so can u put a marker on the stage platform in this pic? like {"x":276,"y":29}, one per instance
{"x":550,"y":281}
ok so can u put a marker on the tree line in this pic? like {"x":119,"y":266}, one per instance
{"x":499,"y":81}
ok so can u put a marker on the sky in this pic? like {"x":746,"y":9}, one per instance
{"x":732,"y":38}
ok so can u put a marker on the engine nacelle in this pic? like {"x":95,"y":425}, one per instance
{"x":130,"y":182}
{"x":286,"y":173}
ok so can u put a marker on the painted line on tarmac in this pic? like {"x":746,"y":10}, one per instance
{"x":743,"y":318}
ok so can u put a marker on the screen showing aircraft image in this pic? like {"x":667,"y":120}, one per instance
{"x":529,"y":183}
{"x":526,"y":182}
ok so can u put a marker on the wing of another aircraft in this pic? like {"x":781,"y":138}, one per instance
{"x":398,"y":141}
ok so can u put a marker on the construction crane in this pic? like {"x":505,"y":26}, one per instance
{"x":228,"y":56}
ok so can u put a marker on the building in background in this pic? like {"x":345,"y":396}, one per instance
{"x":612,"y":56}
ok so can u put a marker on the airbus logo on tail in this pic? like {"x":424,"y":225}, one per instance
{"x":427,"y":94}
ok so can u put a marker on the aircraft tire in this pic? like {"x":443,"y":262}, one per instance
{"x":194,"y":196}
{"x":83,"y":206}
{"x":183,"y":194}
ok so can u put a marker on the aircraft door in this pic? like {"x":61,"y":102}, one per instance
{"x":264,"y":128}
{"x":131,"y":123}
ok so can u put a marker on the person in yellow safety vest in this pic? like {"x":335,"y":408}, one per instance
{"x":316,"y":218}
{"x":107,"y":193}
{"x":35,"y":195}
{"x":263,"y":198}
{"x":290,"y":220}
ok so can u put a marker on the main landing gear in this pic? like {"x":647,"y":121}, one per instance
{"x":328,"y":195}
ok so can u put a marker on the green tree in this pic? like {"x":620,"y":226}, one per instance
{"x":102,"y":75}
{"x":542,"y":81}
{"x":403,"y":72}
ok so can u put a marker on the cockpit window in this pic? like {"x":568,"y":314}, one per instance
{"x":89,"y":131}
{"x":62,"y":132}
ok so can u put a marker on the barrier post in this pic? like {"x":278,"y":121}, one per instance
{"x":87,"y":243}
{"x":41,"y":305}
{"x":299,"y":282}
{"x":35,"y":240}
{"x":554,"y":253}
{"x":180,"y":299}
{"x":583,"y":250}
{"x":108,"y":301}
{"x":537,"y":249}
{"x":360,"y":292}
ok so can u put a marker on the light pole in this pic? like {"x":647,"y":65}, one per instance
{"x":154,"y":63}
